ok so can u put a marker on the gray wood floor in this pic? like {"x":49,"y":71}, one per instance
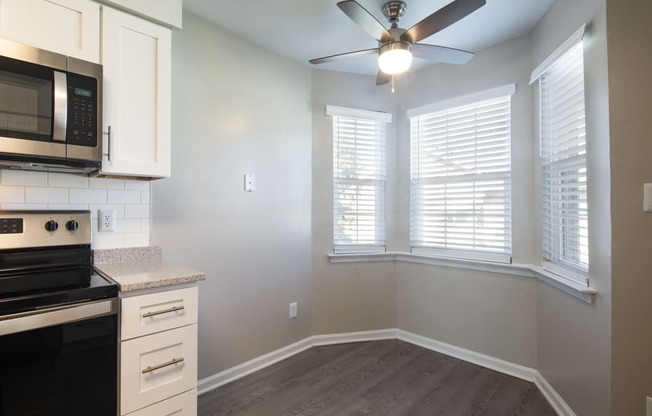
{"x":391,"y":378}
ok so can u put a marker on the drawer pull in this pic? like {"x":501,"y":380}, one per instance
{"x":173,"y":309}
{"x":157,"y":367}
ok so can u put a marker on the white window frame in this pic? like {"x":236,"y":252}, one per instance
{"x":564,"y":210}
{"x":418,"y":245}
{"x":371,"y":179}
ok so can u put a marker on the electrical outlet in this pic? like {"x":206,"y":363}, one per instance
{"x":293,"y":310}
{"x":106,"y":220}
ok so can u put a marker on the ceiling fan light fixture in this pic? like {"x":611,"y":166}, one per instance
{"x":395,"y":57}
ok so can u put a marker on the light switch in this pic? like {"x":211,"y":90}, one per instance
{"x":647,"y":197}
{"x":250,"y":182}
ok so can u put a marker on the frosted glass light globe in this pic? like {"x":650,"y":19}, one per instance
{"x":395,"y":57}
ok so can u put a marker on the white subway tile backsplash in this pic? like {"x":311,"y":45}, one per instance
{"x":20,"y":190}
{"x":124,"y":197}
{"x":12,"y":194}
{"x":107,"y":240}
{"x":106,"y":183}
{"x":128,"y":225}
{"x":137,"y":185}
{"x":136,"y":211}
{"x":145,"y":197}
{"x":88,"y":196}
{"x":63,"y":180}
{"x":136,"y":239}
{"x":46,"y":195}
{"x":23,"y":178}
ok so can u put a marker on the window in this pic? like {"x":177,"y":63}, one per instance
{"x":563,"y":162}
{"x":359,"y":176}
{"x":460,"y":202}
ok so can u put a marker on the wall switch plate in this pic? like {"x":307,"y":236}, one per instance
{"x":293,"y":310}
{"x":106,"y":220}
{"x":649,"y":406}
{"x":250,"y":182}
{"x":647,"y":197}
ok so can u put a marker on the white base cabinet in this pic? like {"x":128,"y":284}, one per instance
{"x":182,"y":405}
{"x":158,"y":353}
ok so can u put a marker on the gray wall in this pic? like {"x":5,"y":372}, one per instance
{"x":484,"y":312}
{"x":574,"y":338}
{"x":630,"y":88}
{"x":348,"y":297}
{"x":238,"y":109}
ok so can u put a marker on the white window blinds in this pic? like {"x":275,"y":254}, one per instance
{"x":461,"y":179}
{"x":359,"y":176}
{"x":563,"y":159}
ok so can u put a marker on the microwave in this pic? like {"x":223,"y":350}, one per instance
{"x":50,"y":111}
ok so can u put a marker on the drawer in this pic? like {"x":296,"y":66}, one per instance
{"x":182,"y":405}
{"x":156,"y":367}
{"x":156,"y":312}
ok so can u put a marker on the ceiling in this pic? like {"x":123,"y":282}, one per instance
{"x":304,"y":29}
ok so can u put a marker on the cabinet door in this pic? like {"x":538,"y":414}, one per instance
{"x":136,"y":55}
{"x":157,"y":367}
{"x":69,"y":27}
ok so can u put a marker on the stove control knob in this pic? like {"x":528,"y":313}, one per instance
{"x":72,"y":225}
{"x":51,"y":226}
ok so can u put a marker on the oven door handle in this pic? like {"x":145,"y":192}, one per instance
{"x":11,"y":324}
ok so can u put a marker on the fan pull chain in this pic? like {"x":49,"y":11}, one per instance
{"x":393,"y":77}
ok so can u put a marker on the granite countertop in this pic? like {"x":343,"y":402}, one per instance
{"x":142,"y":268}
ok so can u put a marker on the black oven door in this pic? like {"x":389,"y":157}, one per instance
{"x":62,"y":361}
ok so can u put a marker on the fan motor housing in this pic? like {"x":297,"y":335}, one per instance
{"x":394,"y":10}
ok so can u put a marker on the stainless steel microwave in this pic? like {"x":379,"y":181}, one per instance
{"x":50,"y":111}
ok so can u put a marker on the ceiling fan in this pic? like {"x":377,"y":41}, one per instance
{"x":396,"y":46}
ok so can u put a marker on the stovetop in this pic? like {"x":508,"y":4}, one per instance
{"x":98,"y":288}
{"x":46,"y":261}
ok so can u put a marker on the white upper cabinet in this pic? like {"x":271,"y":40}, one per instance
{"x":136,"y":55}
{"x":167,"y":12}
{"x":68,"y":27}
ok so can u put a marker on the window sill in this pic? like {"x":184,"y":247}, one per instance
{"x":585,"y":294}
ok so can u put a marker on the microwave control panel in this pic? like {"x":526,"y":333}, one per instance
{"x":82,"y":111}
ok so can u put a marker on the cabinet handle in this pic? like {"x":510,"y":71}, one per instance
{"x":158,"y":367}
{"x":172,"y":309}
{"x":108,"y":144}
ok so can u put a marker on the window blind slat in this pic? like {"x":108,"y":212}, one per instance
{"x":460,"y":180}
{"x":358,"y":183}
{"x":563,"y":158}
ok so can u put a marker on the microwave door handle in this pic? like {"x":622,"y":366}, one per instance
{"x":60,"y":107}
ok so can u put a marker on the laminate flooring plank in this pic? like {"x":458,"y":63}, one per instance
{"x":378,"y":378}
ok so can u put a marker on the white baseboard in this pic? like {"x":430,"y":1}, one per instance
{"x":212,"y":382}
{"x":552,"y":396}
{"x":483,"y":360}
{"x":251,"y":366}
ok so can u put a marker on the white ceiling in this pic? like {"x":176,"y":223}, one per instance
{"x":304,"y":29}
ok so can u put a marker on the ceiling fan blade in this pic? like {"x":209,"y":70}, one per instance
{"x":353,"y":54}
{"x":383,"y":78}
{"x":365,"y":20}
{"x":441,"y":19}
{"x":441,"y":54}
